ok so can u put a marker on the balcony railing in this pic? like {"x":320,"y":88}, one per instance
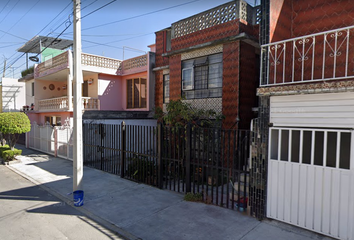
{"x":60,"y":62}
{"x":133,"y":63}
{"x":215,"y":16}
{"x":98,"y":61}
{"x":62,"y":104}
{"x":318,"y":57}
{"x":54,"y":64}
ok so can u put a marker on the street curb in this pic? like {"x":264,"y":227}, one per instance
{"x":110,"y":226}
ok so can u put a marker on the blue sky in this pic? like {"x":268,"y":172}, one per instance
{"x":121,"y":24}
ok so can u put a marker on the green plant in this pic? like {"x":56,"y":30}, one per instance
{"x":180,"y":113}
{"x":12,"y":124}
{"x":4,"y":148}
{"x":193,"y":197}
{"x":27,"y":71}
{"x":9,"y":155}
{"x":141,"y":169}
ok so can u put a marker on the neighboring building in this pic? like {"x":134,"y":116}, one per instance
{"x":111,"y":89}
{"x":13,"y":95}
{"x":307,"y":99}
{"x":109,"y":85}
{"x":212,"y":60}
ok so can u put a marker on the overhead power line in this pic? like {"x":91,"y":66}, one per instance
{"x":98,"y":9}
{"x":4,"y":6}
{"x":137,"y":16}
{"x":21,"y":18}
{"x":70,"y":23}
{"x":10,"y":45}
{"x":56,"y":17}
{"x":107,"y":44}
{"x":10,"y":11}
{"x":13,"y":35}
{"x":14,"y":61}
{"x":89,"y":5}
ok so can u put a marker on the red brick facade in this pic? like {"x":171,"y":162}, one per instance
{"x":239,"y":79}
{"x":175,"y":77}
{"x":158,"y":89}
{"x":294,"y":18}
{"x":230,"y":88}
{"x":249,"y":79}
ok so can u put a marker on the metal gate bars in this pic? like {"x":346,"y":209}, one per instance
{"x":211,"y":163}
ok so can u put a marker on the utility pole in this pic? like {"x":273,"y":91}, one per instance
{"x":77,"y":80}
{"x":3,"y":73}
{"x":1,"y":85}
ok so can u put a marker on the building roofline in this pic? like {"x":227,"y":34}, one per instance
{"x":242,"y":36}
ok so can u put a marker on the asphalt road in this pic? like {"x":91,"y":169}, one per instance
{"x":29,"y":212}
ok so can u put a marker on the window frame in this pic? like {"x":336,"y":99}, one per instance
{"x":32,"y":89}
{"x":316,"y":153}
{"x":166,"y":96}
{"x":204,"y":87}
{"x":53,"y":120}
{"x":191,"y":86}
{"x":140,"y":106}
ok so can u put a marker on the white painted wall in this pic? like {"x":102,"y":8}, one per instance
{"x":13,"y":95}
{"x":335,"y":110}
{"x":29,"y":97}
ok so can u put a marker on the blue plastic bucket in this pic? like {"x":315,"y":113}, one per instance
{"x":78,"y":198}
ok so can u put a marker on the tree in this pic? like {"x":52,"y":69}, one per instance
{"x":12,"y":124}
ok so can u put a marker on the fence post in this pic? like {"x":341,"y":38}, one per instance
{"x":55,"y":141}
{"x":188,"y":157}
{"x":101,"y":131}
{"x":159,"y":155}
{"x":122,"y":146}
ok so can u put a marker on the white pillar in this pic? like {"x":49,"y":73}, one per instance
{"x":78,"y":78}
{"x":69,"y":83}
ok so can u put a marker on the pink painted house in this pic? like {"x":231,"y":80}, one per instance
{"x":110,"y":85}
{"x":112,"y":91}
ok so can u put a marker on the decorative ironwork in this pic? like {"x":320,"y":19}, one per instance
{"x":316,"y":57}
{"x":210,"y":162}
{"x":259,"y":160}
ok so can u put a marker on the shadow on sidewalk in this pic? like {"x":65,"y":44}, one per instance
{"x":35,"y":193}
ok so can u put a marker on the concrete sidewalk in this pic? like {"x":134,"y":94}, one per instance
{"x":138,"y":211}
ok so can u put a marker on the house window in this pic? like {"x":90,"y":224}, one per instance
{"x":32,"y":88}
{"x":318,"y":147}
{"x":166,"y":88}
{"x":136,"y":93}
{"x":53,"y":120}
{"x":202,"y":77}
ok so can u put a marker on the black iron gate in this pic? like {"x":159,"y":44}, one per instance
{"x":209,"y":163}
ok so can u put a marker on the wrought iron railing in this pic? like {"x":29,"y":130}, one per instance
{"x":316,"y":57}
{"x":213,"y":164}
{"x":215,"y":16}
